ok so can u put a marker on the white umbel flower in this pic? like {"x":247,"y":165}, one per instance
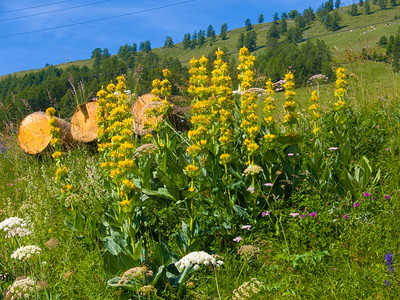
{"x":24,"y":287}
{"x":197,"y":259}
{"x":25,"y":252}
{"x":14,"y":226}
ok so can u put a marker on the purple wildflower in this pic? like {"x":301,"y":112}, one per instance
{"x":386,"y":282}
{"x":237,"y":239}
{"x":389,"y":261}
{"x":366,"y":194}
{"x":247,"y":227}
{"x":345,"y":217}
{"x":294,"y":214}
{"x":251,"y":189}
{"x":356,"y":204}
{"x":265,"y":213}
{"x":313,"y":214}
{"x":268,"y":184}
{"x":387,"y":197}
{"x":302,"y":216}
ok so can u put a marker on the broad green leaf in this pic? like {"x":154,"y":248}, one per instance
{"x":112,"y":246}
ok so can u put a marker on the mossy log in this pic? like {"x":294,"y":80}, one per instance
{"x":34,"y":133}
{"x":84,"y":123}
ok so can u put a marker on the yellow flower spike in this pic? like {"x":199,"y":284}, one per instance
{"x":224,"y":158}
{"x":129,"y":184}
{"x":166,"y":73}
{"x":191,"y":170}
{"x":111,"y":87}
{"x":51,"y":112}
{"x":66,"y":188}
{"x":57,"y":154}
{"x":269,"y":137}
{"x":340,"y":89}
{"x":125,"y":204}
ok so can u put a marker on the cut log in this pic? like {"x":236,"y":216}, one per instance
{"x":84,"y":123}
{"x":139,"y":113}
{"x":34,"y":133}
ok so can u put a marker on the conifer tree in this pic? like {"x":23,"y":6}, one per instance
{"x":186,"y":41}
{"x":283,"y":26}
{"x":240,"y":42}
{"x":248,"y":25}
{"x":382,"y":4}
{"x":168,"y":42}
{"x":367,"y":7}
{"x":224,"y":29}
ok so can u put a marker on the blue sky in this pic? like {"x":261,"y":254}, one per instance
{"x":34,"y":33}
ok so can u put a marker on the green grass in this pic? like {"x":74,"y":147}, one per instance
{"x":326,"y":257}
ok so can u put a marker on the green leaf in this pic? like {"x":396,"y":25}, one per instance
{"x":112,"y":246}
{"x":161,"y":192}
{"x":138,"y":249}
{"x":158,"y":274}
{"x":241,"y":212}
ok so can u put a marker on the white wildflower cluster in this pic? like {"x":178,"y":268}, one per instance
{"x":247,"y":290}
{"x":14,"y":226}
{"x":317,"y":79}
{"x":278,"y":86}
{"x":197,"y":259}
{"x":252,"y":170}
{"x":26,"y":252}
{"x":22,"y":288}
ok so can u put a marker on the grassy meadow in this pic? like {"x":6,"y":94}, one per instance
{"x":291,"y":194}
{"x":312,"y":216}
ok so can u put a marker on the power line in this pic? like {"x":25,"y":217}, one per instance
{"x":96,"y":20}
{"x":43,"y":5}
{"x":52,"y":11}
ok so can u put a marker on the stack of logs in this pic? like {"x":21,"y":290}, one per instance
{"x":34,"y":132}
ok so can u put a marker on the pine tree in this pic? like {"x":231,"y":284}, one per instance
{"x":240,"y":42}
{"x":273,"y":34}
{"x":201,"y":38}
{"x":300,"y":21}
{"x":367,"y":8}
{"x":396,"y":54}
{"x":393,"y":3}
{"x":106,"y":53}
{"x":260,"y":19}
{"x":353,"y":10}
{"x":337,"y":4}
{"x":283,"y":26}
{"x":210,"y":30}
{"x":168,"y":42}
{"x":224,"y":29}
{"x":186,"y":41}
{"x":308,"y":15}
{"x":382,"y":4}
{"x":361,"y":3}
{"x":97,"y":56}
{"x":248,"y":25}
{"x":293,"y":14}
{"x":250,"y":40}
{"x":276,"y":18}
{"x":294,"y":34}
